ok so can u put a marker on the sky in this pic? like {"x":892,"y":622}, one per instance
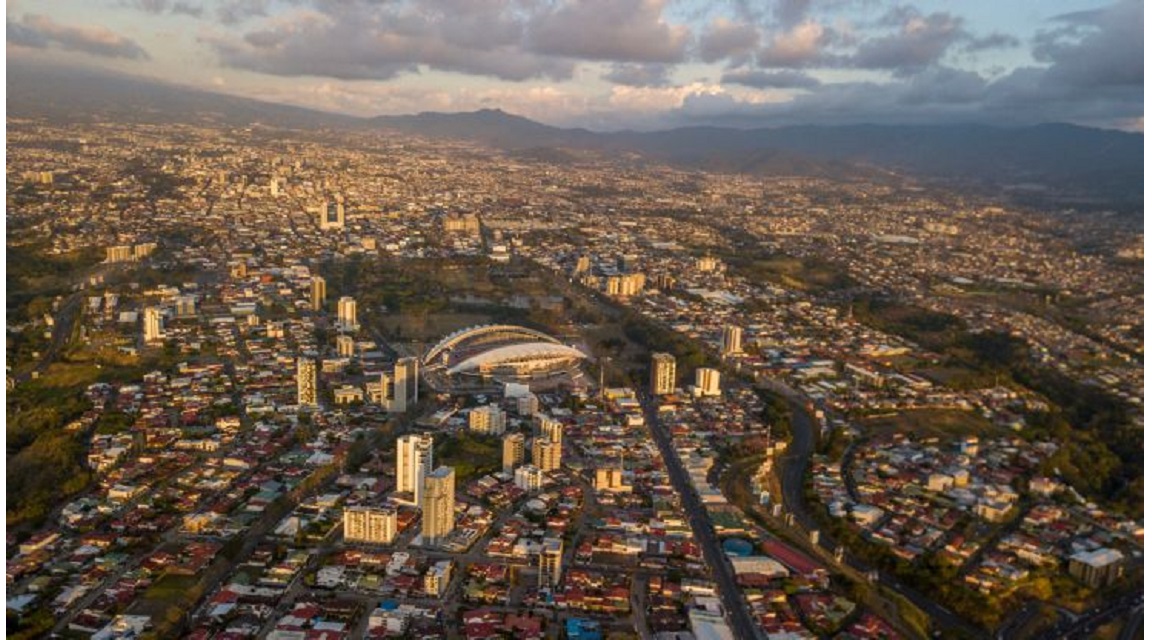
{"x":615,"y":64}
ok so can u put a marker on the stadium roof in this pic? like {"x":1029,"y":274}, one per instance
{"x":517,"y":353}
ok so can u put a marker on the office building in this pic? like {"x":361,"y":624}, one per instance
{"x":153,"y":324}
{"x":488,"y":420}
{"x":371,"y":525}
{"x":438,"y":505}
{"x":345,"y":346}
{"x":346,"y":314}
{"x":186,"y":306}
{"x":733,"y":343}
{"x":529,"y":477}
{"x":707,"y":382}
{"x":405,"y":384}
{"x":319,"y":293}
{"x":413,"y":463}
{"x":331,"y":215}
{"x":513,"y":449}
{"x":663,"y":374}
{"x":306,"y":382}
{"x":1097,"y":568}
{"x":551,"y":562}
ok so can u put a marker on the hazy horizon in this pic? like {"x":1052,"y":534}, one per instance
{"x":640,"y":64}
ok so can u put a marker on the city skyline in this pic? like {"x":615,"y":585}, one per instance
{"x":644,"y":64}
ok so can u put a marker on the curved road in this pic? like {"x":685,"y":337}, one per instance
{"x":794,"y":466}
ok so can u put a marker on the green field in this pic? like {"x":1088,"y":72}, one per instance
{"x":926,"y":423}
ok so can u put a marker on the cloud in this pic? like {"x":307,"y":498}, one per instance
{"x":42,"y":32}
{"x":725,"y":39}
{"x":616,"y":30}
{"x":802,"y":45}
{"x":352,"y":41}
{"x":770,"y":80}
{"x":791,"y":12}
{"x":1096,"y":48}
{"x":920,"y":41}
{"x":179,"y":7}
{"x":638,"y":75}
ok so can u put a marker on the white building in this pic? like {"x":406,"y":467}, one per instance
{"x":373,"y":525}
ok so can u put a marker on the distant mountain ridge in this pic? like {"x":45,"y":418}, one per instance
{"x":1055,"y":164}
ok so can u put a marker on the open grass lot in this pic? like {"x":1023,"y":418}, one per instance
{"x":807,"y":274}
{"x":940,"y":423}
{"x":471,"y":455}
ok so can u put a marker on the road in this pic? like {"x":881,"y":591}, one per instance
{"x":737,"y":613}
{"x":1130,"y":606}
{"x":793,"y":466}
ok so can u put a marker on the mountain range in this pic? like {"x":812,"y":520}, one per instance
{"x":1054,"y":165}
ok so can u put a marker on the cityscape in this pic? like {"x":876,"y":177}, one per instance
{"x":277,"y":374}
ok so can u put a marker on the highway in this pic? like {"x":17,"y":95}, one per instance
{"x":737,"y":613}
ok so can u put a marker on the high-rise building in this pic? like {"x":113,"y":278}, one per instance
{"x":331,"y":214}
{"x":733,"y":340}
{"x":663,"y":374}
{"x":437,"y":578}
{"x":489,"y":420}
{"x":546,"y":454}
{"x":118,"y":253}
{"x":405,"y":383}
{"x":551,"y":561}
{"x":306,"y":382}
{"x":528,"y":477}
{"x":373,"y":525}
{"x":513,"y":450}
{"x":527,"y":405}
{"x":707,"y":382}
{"x":413,"y":463}
{"x":346,"y":314}
{"x":185,"y":306}
{"x":438,"y":505}
{"x":153,"y":324}
{"x":319,"y":293}
{"x":345,"y":346}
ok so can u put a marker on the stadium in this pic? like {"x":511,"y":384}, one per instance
{"x":487,"y":356}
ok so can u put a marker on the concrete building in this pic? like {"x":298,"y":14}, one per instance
{"x":707,"y":382}
{"x":346,"y":314}
{"x":488,"y":420}
{"x":331,"y":214}
{"x":546,"y":454}
{"x":529,"y":477}
{"x":319,"y":293}
{"x":609,"y":479}
{"x":413,"y":463}
{"x":372,"y":525}
{"x":345,"y":346}
{"x":1097,"y":568}
{"x":186,"y":306}
{"x":437,"y":579}
{"x":438,"y":505}
{"x":663,"y":374}
{"x":513,"y":451}
{"x":153,"y":324}
{"x":551,"y":562}
{"x":405,"y":384}
{"x":733,"y":340}
{"x":306,"y":382}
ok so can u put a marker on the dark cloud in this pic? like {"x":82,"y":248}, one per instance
{"x":725,"y":39}
{"x":234,"y":11}
{"x":41,"y":32}
{"x":617,"y":30}
{"x":1096,"y":48}
{"x":770,"y":80}
{"x":638,"y":75}
{"x":990,"y":41}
